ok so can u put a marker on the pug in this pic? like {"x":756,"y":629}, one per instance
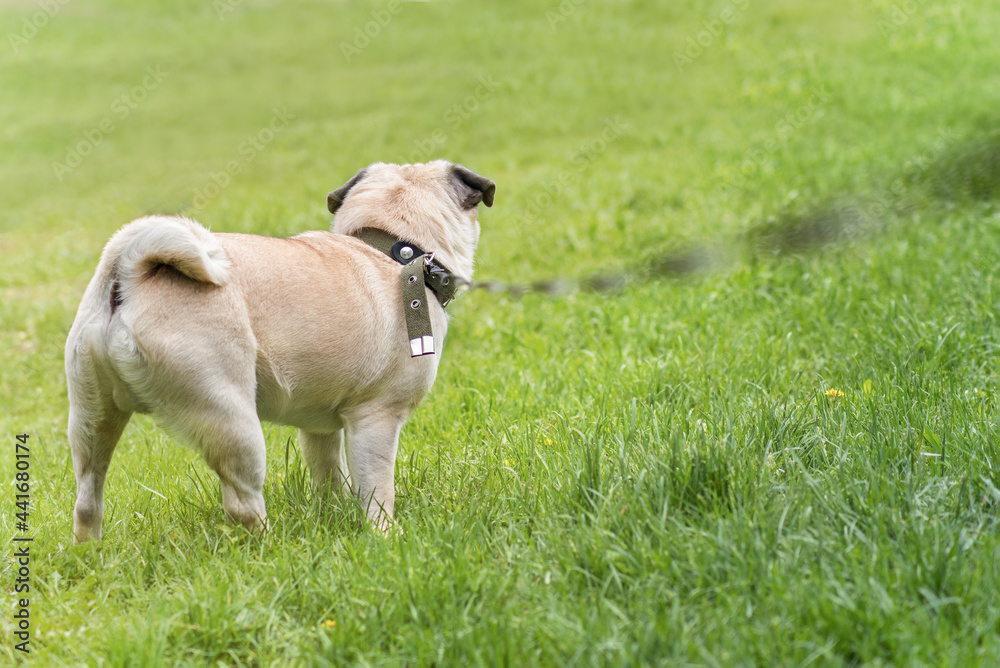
{"x":337,"y":333}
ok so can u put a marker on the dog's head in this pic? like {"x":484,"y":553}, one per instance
{"x":434,"y":205}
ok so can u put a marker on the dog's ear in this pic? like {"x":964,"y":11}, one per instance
{"x":336,"y":198}
{"x":471,"y":187}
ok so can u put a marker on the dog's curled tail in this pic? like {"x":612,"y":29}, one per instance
{"x":181,"y":243}
{"x":129,"y":257}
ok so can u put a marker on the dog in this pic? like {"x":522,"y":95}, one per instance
{"x":211,"y":333}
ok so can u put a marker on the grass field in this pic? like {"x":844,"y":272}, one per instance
{"x":789,"y":458}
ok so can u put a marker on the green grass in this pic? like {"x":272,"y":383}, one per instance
{"x":662,"y":475}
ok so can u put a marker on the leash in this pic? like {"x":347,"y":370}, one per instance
{"x":421,"y":270}
{"x":972,"y":171}
{"x":788,"y":235}
{"x":670,"y":264}
{"x":947,"y":172}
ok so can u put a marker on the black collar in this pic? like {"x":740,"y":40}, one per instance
{"x":441,"y":281}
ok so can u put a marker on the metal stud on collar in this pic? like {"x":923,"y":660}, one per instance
{"x":406,"y":252}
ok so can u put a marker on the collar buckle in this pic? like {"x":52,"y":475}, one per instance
{"x":442,"y":282}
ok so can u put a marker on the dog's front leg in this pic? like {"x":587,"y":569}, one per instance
{"x":372,"y":439}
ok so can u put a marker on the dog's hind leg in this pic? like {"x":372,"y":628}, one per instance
{"x":234,"y":447}
{"x":217,"y":415}
{"x":326,"y":458}
{"x":95,"y":426}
